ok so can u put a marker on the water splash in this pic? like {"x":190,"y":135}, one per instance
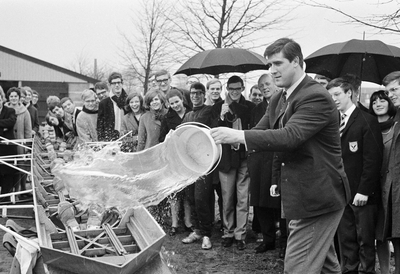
{"x":109,"y":177}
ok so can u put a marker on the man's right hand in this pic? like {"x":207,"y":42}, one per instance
{"x":274,"y":191}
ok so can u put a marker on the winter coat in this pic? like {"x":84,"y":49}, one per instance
{"x":7,"y":122}
{"x":149,"y":129}
{"x":23,"y":126}
{"x":86,"y":124}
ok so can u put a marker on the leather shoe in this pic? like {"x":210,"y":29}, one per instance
{"x":227,"y":242}
{"x":173,"y":231}
{"x":282,"y":252}
{"x":264,"y":247}
{"x":240,"y":244}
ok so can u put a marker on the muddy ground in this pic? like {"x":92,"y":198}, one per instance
{"x":190,"y":258}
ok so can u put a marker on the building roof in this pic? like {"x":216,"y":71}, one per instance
{"x":35,"y":61}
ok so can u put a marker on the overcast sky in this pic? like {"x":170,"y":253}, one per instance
{"x":58,"y":31}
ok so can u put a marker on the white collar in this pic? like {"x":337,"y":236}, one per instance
{"x":349,"y":111}
{"x":290,"y":90}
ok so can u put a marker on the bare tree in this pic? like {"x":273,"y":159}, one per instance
{"x":87,"y":66}
{"x":383,"y":22}
{"x":146,"y":49}
{"x":205,"y":24}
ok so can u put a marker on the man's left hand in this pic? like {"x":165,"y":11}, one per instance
{"x":360,"y":200}
{"x":224,"y":135}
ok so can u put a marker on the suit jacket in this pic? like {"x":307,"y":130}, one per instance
{"x":260,"y":168}
{"x":362,"y":151}
{"x":305,"y":136}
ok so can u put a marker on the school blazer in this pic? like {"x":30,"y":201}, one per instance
{"x":362,"y":152}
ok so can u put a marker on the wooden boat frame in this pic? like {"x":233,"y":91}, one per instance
{"x":123,"y":249}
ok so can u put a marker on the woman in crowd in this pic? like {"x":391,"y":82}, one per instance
{"x":172,"y":119}
{"x":382,"y":107}
{"x":22,"y":128}
{"x":150,"y":123}
{"x":7,"y":123}
{"x":130,"y":121}
{"x":86,"y":122}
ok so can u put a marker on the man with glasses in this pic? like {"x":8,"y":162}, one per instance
{"x":391,"y":177}
{"x":200,"y":193}
{"x":234,"y":112}
{"x":163,"y":82}
{"x":101,"y":90}
{"x":111,"y":110}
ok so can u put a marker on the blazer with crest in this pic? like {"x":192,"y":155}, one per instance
{"x":305,"y":137}
{"x":362,"y":152}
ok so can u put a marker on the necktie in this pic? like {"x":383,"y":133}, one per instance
{"x":284,"y":93}
{"x":342,"y":124}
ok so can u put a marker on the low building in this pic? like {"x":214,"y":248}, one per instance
{"x":18,"y":70}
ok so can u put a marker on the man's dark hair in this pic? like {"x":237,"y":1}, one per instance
{"x":65,"y":99}
{"x":343,"y":84}
{"x":235,"y":79}
{"x":101,"y":85}
{"x":393,"y":76}
{"x":52,"y":105}
{"x":199,"y":86}
{"x":289,"y":48}
{"x":114,"y":75}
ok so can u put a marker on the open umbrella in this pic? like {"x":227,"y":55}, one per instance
{"x":371,"y":60}
{"x":224,"y":60}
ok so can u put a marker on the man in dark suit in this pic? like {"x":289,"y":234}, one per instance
{"x":111,"y":110}
{"x":304,"y":133}
{"x":267,"y":209}
{"x":362,"y":150}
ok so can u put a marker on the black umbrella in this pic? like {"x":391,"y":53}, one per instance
{"x":224,"y":60}
{"x":371,"y":60}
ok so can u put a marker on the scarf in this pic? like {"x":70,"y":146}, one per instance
{"x":88,"y":111}
{"x":387,"y":124}
{"x":121,"y":100}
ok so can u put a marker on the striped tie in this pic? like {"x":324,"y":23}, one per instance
{"x":342,"y":124}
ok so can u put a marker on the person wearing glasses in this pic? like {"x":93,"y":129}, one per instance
{"x":201,"y":193}
{"x":163,"y":83}
{"x":86,"y":122}
{"x":101,"y":89}
{"x":391,"y":177}
{"x":234,"y":112}
{"x":111,"y":110}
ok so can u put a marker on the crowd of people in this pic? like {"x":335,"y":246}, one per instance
{"x":309,"y":158}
